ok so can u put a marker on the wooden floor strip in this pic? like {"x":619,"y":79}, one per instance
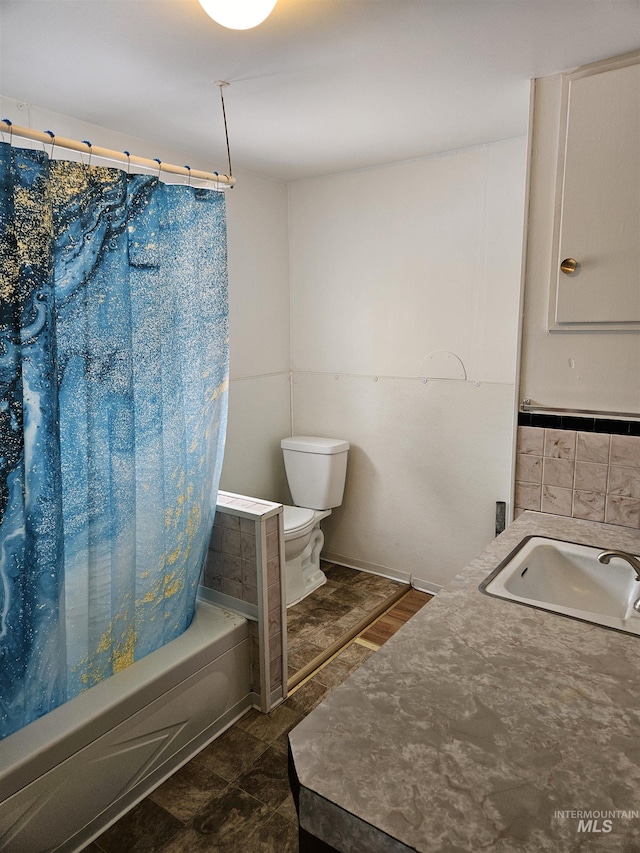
{"x":367,"y":644}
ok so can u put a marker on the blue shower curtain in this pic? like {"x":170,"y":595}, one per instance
{"x":114,"y":374}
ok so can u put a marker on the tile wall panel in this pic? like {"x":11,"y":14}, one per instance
{"x":245,"y":562}
{"x":589,"y":475}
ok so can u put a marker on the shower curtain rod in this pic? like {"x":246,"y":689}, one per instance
{"x":85,"y":147}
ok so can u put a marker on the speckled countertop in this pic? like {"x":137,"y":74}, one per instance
{"x":479,"y":722}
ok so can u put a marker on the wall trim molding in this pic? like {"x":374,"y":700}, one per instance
{"x":580,"y":424}
{"x":426,"y":586}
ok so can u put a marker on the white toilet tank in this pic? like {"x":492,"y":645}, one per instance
{"x":316,"y":469}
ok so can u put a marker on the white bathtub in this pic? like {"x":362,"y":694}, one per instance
{"x":67,"y":776}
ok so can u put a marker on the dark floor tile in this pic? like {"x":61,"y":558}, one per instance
{"x":341,"y":574}
{"x":296,"y":629}
{"x":313,"y":619}
{"x":373,"y":600}
{"x":187,"y":841}
{"x":232,"y":753}
{"x":312,"y":602}
{"x":355,"y":655}
{"x":306,"y":635}
{"x":145,"y":829}
{"x":333,"y":674}
{"x":288,"y":810}
{"x":268,"y":779}
{"x":188,"y":790}
{"x":323,"y":635}
{"x":229,"y":821}
{"x":299,"y":654}
{"x":305,"y":699}
{"x":301,"y":632}
{"x":344,"y":597}
{"x":282,"y":743}
{"x":91,"y":848}
{"x":276,"y":835}
{"x":325,"y":590}
{"x":351,"y":619}
{"x":376,"y":583}
{"x":330,"y":608}
{"x":301,"y":608}
{"x":269,"y":727}
{"x":321,"y":622}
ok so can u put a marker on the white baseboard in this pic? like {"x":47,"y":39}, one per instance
{"x":372,"y":568}
{"x":426,"y":586}
{"x":384,"y":571}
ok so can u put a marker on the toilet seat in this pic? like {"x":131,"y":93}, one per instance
{"x":296,"y":519}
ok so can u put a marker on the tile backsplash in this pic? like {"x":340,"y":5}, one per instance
{"x":589,"y":475}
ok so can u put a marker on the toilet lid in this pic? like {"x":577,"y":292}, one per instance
{"x":297,"y":517}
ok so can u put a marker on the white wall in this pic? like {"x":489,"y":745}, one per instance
{"x":388,"y":265}
{"x":259,"y":396}
{"x":257,"y":222}
{"x":579,"y":370}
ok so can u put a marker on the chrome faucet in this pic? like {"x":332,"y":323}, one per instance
{"x":634,"y":562}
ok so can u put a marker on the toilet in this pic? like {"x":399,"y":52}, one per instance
{"x":316,"y":469}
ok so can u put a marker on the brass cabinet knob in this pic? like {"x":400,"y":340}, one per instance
{"x":568,"y":266}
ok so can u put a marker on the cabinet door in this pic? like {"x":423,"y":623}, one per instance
{"x":599,"y":202}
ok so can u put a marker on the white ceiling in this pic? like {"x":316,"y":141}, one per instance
{"x":323,"y":86}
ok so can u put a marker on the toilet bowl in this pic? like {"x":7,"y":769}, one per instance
{"x":316,"y":470}
{"x":303,"y":541}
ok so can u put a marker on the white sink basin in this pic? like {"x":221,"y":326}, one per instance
{"x":568,"y":579}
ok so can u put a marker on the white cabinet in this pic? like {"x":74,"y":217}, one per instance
{"x":597,"y":221}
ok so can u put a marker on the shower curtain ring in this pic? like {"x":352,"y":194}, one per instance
{"x":53,"y":142}
{"x":10,"y":124}
{"x":189,"y":181}
{"x":159,"y":162}
{"x":128,"y":161}
{"x":90,"y":146}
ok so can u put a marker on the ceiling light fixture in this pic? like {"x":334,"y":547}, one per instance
{"x":238,"y":14}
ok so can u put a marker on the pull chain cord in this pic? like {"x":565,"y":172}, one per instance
{"x":222,"y":84}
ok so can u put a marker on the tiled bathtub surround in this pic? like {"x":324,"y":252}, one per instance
{"x":589,"y":475}
{"x":243,"y":571}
